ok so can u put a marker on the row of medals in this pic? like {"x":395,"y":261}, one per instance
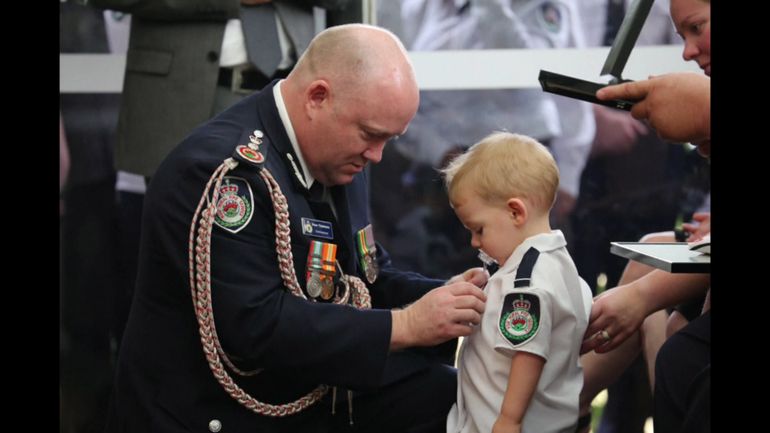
{"x":321,"y":281}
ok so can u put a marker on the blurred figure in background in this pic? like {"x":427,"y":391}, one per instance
{"x":87,"y":232}
{"x":449,"y":121}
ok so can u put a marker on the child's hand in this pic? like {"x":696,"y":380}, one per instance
{"x":475,"y":276}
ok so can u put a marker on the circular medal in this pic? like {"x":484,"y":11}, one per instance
{"x":371,"y":269}
{"x":327,"y":288}
{"x":314,"y":285}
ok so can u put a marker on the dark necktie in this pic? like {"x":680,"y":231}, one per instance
{"x":320,"y":207}
{"x":316,"y":191}
{"x":616,"y":11}
{"x":261,"y":35}
{"x":322,"y":210}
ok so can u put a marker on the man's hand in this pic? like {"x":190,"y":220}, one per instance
{"x":677,"y":105}
{"x":442,"y":314}
{"x":476,"y":276}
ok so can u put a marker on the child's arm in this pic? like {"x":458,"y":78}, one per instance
{"x":522,"y":383}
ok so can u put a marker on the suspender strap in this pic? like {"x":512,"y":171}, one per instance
{"x":524,"y":273}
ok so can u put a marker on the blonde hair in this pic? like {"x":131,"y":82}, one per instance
{"x":505,"y":165}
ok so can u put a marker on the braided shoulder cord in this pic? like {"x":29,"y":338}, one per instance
{"x":199,"y":262}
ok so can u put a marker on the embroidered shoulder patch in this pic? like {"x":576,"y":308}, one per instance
{"x":520,"y":317}
{"x":235,"y":204}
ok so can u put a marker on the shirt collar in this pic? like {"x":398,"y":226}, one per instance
{"x":284,"y":114}
{"x":543,"y":242}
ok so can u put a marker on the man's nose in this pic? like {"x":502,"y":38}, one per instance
{"x":373,"y":153}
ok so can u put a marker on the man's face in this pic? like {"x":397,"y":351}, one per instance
{"x":350,"y":130}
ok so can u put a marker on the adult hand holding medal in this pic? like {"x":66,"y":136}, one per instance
{"x":444,"y":313}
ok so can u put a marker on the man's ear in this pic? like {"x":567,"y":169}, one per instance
{"x":317,"y":94}
{"x":518,"y":210}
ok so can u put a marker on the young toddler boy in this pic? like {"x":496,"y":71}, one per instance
{"x":519,"y":370}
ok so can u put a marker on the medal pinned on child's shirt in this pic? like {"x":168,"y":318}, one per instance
{"x":320,"y":270}
{"x":367,"y":253}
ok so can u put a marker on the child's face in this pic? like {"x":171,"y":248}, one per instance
{"x":492,"y":227}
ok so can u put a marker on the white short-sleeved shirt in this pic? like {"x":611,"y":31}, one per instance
{"x":552,"y":314}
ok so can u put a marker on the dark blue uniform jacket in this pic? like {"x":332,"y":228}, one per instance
{"x":163,"y":381}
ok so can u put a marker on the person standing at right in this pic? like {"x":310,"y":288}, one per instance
{"x":634,"y":183}
{"x":657,"y":104}
{"x":678,"y":107}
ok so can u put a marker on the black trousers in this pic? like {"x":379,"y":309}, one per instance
{"x":419,"y":403}
{"x":683,"y":379}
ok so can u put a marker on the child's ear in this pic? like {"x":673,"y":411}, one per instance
{"x":518,"y":210}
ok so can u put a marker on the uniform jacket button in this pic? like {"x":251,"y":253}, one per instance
{"x":215,"y":425}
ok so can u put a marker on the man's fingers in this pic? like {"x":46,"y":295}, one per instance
{"x":629,"y":91}
{"x":465,"y":288}
{"x":460,"y":330}
{"x":479,"y":278}
{"x":466,"y":316}
{"x":641,"y":111}
{"x":469,"y":302}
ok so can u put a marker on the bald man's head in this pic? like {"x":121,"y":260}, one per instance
{"x":355,"y":55}
{"x":352,"y":90}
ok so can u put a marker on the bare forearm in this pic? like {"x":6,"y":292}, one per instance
{"x":522,"y":383}
{"x":660,"y":289}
